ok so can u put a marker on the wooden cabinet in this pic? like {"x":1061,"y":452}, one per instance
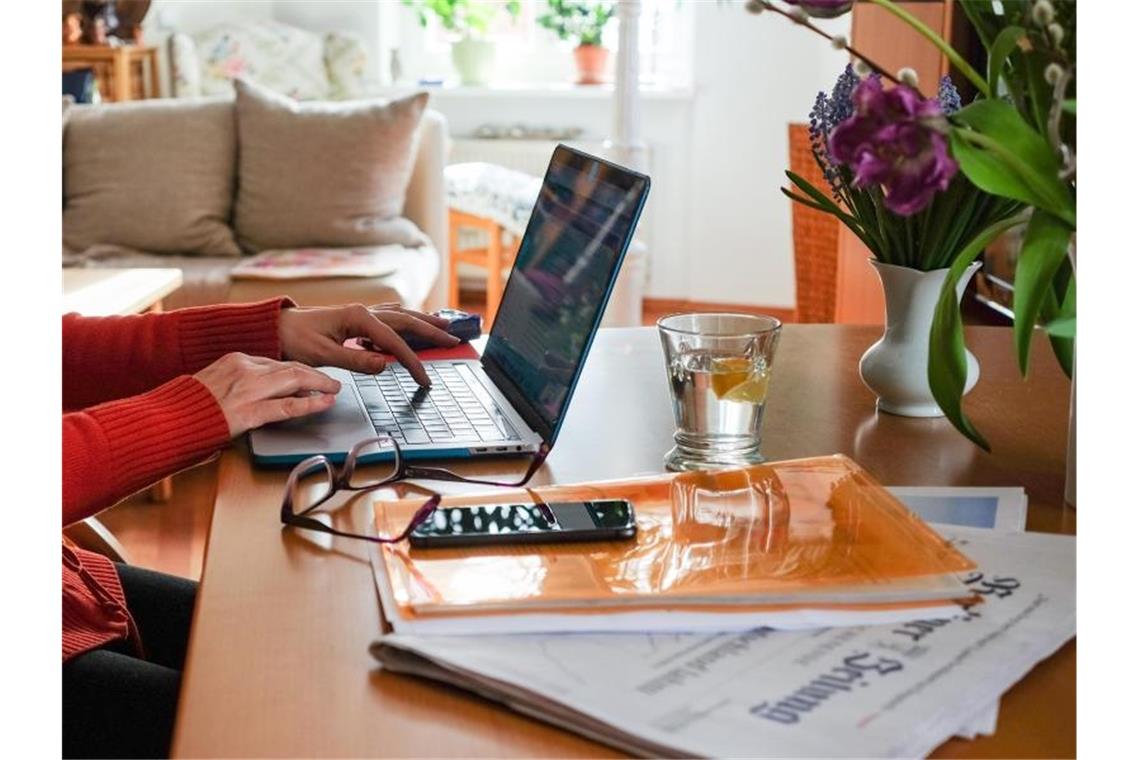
{"x":894,"y":45}
{"x":127,"y":72}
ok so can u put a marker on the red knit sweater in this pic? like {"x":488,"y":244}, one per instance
{"x":132,"y":415}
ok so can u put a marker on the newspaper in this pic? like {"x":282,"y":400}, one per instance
{"x":972,"y":506}
{"x":977,"y":507}
{"x":895,"y":690}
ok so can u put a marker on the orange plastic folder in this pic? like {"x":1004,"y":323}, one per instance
{"x":803,"y":543}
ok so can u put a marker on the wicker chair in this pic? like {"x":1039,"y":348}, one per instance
{"x":815,"y":238}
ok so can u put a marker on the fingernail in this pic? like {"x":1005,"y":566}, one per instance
{"x":454,"y":339}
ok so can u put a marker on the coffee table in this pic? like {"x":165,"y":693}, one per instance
{"x":278,"y":662}
{"x":105,"y":292}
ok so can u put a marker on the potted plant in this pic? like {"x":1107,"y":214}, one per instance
{"x":583,"y":21}
{"x":472,"y":54}
{"x":914,"y":210}
{"x":1016,"y":141}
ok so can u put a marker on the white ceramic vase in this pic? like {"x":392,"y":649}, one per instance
{"x":895,"y":366}
{"x":474,"y":60}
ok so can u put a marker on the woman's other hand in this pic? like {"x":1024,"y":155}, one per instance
{"x":316,"y":336}
{"x":253,"y":391}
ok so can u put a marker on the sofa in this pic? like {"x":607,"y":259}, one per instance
{"x":163,"y":184}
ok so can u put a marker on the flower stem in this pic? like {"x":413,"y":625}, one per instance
{"x":958,"y":61}
{"x":805,"y":23}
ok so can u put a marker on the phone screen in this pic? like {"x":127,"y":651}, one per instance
{"x":599,"y":519}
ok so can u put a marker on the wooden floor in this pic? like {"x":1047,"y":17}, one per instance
{"x":169,"y":537}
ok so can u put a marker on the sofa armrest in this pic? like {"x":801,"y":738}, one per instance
{"x":185,"y":69}
{"x":426,"y":202}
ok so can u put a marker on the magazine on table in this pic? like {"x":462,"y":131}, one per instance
{"x":306,"y":263}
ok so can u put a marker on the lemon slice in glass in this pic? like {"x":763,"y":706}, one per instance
{"x":729,"y":372}
{"x":752,"y":391}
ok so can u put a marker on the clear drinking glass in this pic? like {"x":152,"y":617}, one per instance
{"x":718,"y":367}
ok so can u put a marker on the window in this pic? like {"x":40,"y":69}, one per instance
{"x":528,"y":54}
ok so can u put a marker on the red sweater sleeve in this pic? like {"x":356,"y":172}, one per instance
{"x":106,"y":358}
{"x":114,"y":449}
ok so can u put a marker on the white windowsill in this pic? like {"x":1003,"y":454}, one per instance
{"x":534,"y":90}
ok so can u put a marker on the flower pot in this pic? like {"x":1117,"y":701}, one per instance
{"x":474,"y":60}
{"x":591,"y":60}
{"x":895,"y":366}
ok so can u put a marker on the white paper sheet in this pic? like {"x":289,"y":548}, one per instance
{"x":896,"y":690}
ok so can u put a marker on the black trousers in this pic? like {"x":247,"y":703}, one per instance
{"x":116,"y":704}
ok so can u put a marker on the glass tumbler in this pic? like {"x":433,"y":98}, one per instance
{"x":718,"y":367}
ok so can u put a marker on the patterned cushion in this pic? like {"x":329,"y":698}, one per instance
{"x":345,"y":61}
{"x":282,"y":58}
{"x":492,"y":192}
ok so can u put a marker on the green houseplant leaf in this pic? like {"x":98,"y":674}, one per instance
{"x":1043,"y":250}
{"x":1059,"y":311}
{"x":1003,"y":45}
{"x":946,"y":366}
{"x":1062,"y":327}
{"x":1002,"y":154}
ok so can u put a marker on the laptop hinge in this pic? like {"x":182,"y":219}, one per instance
{"x":518,"y":399}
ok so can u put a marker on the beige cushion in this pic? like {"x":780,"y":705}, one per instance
{"x":156,"y":175}
{"x":324,"y":174}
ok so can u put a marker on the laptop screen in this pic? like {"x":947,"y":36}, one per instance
{"x":566,"y":265}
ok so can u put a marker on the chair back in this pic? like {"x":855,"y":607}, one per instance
{"x":815,"y":237}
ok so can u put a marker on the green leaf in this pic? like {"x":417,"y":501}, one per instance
{"x":851,"y":222}
{"x":810,"y":189}
{"x":1052,"y":311}
{"x":1002,"y":155}
{"x":999,"y":119}
{"x":1062,"y":327}
{"x":1003,"y":45}
{"x":1040,"y":91}
{"x":946,"y":366}
{"x":1042,"y":251}
{"x":1069,"y":106}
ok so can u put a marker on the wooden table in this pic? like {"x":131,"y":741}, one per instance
{"x":125,"y":72}
{"x":278,"y":662}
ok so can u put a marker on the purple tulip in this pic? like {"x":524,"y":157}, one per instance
{"x":895,"y":139}
{"x":823,"y":8}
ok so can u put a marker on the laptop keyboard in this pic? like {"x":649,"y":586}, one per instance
{"x":457,"y":408}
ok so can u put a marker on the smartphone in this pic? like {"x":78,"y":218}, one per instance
{"x":494,"y":524}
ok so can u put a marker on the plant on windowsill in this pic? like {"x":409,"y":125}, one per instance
{"x":1015,"y":141}
{"x":583,"y":21}
{"x":468,"y":21}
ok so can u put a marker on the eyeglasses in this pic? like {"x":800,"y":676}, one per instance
{"x":316,"y":480}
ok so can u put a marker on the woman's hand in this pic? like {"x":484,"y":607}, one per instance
{"x":254,"y":391}
{"x":316,"y":336}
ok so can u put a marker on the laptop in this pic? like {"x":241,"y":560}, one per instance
{"x":513,"y":398}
